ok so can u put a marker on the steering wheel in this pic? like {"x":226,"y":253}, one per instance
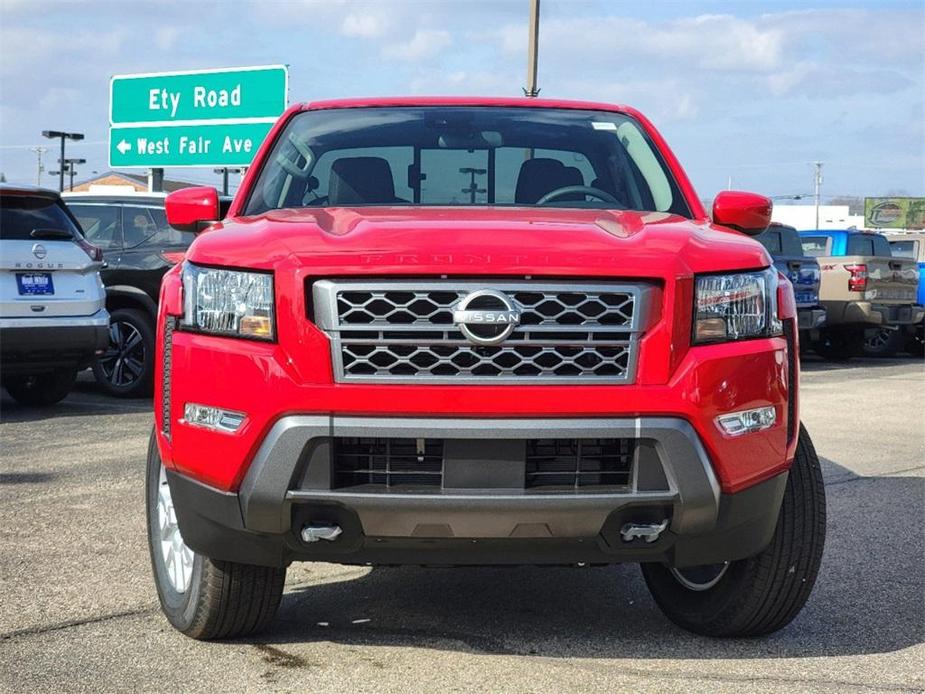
{"x":571,"y":190}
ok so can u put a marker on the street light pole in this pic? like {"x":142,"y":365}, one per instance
{"x":52,"y":134}
{"x":72,"y":169}
{"x":531,"y":90}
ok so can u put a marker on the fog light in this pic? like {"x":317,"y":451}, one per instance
{"x":747,"y":421}
{"x":212,"y":417}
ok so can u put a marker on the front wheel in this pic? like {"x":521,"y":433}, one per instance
{"x":761,"y":594}
{"x":201,"y":597}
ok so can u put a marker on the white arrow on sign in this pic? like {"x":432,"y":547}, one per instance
{"x":123,"y":147}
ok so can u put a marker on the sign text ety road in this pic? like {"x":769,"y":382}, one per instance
{"x":224,"y":144}
{"x":233,"y":93}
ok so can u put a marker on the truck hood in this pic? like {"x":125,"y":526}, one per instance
{"x":477,"y":241}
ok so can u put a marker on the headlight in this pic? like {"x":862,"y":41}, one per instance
{"x":736,"y":306}
{"x":228,"y":302}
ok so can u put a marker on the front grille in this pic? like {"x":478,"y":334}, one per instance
{"x":404,"y":331}
{"x":387,"y":462}
{"x":547,"y":465}
{"x":579,"y":463}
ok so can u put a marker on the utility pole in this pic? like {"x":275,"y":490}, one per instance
{"x":39,"y":152}
{"x":54,"y":134}
{"x":531,"y":90}
{"x":817,"y":182}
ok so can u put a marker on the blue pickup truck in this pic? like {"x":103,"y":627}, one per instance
{"x":783,"y":243}
{"x":866,"y":292}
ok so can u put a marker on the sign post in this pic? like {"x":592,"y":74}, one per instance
{"x":208,"y":118}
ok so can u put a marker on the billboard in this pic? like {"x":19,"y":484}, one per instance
{"x":894,"y":213}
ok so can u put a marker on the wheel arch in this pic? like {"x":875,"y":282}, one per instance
{"x":124,"y":296}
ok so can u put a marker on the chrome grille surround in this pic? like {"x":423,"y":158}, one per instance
{"x":402,"y":331}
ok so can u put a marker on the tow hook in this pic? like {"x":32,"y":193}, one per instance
{"x":320,"y":531}
{"x":646,"y":531}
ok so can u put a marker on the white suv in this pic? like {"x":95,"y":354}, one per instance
{"x":53,"y":320}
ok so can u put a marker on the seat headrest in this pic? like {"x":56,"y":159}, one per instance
{"x":360,"y":180}
{"x":540,"y":176}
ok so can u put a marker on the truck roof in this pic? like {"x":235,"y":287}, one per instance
{"x":501,"y":101}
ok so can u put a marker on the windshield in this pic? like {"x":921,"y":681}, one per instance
{"x":472,"y":155}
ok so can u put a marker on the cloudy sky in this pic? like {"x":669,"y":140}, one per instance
{"x":752,"y":91}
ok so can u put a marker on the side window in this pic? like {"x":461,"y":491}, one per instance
{"x":904,"y":249}
{"x":166,"y":235}
{"x":815,"y":246}
{"x":790,"y":242}
{"x":649,"y":167}
{"x":860,"y":245}
{"x":102,"y":224}
{"x":138,"y":225}
{"x":881,"y":246}
{"x":770,"y":239}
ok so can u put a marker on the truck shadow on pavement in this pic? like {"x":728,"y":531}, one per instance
{"x":86,"y":399}
{"x":868,"y":598}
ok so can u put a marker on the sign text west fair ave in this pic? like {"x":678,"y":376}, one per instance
{"x":197,"y":118}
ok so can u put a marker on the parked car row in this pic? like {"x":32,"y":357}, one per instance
{"x":64,"y":308}
{"x":856,"y":291}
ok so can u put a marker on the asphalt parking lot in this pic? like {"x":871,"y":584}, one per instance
{"x":78,"y":611}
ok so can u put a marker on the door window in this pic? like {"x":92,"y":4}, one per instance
{"x":102,"y":224}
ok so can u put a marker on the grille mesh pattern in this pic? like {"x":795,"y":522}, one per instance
{"x":435,"y":308}
{"x":579,"y":462}
{"x":402,"y":331}
{"x":463,"y":360}
{"x":387,"y":462}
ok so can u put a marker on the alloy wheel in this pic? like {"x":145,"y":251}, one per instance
{"x":123,"y":363}
{"x":177,"y":557}
{"x":700,"y":578}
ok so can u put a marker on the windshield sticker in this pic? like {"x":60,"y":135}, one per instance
{"x":603,"y":125}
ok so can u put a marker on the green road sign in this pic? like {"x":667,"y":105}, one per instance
{"x":225,"y":144}
{"x":197,"y":118}
{"x":233,"y":93}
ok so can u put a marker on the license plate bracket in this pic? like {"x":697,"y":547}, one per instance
{"x":35,"y":284}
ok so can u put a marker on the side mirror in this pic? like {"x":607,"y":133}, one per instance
{"x":746,"y":212}
{"x":189,"y":209}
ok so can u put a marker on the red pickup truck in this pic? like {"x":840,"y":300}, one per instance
{"x":478,"y":331}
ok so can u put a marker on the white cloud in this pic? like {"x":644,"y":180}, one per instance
{"x":363,"y":25}
{"x":424,"y":44}
{"x":166,"y":37}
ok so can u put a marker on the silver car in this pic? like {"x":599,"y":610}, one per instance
{"x":53,"y":320}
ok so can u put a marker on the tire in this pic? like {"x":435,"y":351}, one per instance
{"x":915,"y":344}
{"x":209,"y":599}
{"x":41,"y":389}
{"x":882,"y":342}
{"x":840,"y":344}
{"x":126,"y":370}
{"x":761,"y":594}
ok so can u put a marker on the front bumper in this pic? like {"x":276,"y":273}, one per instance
{"x":31,"y":344}
{"x":477,"y":516}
